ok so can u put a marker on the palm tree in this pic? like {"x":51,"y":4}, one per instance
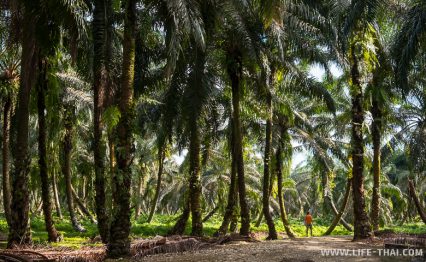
{"x":232,"y":194}
{"x":9,"y":76}
{"x":67,"y":148}
{"x":235,"y":73}
{"x":19,"y":232}
{"x":380,"y":93}
{"x":100,"y":27}
{"x":42,"y":85}
{"x":7,"y":109}
{"x":161,"y":156}
{"x":239,"y":44}
{"x":119,"y":242}
{"x":406,"y":51}
{"x":410,"y":137}
{"x":416,"y":200}
{"x":358,"y":30}
{"x":41,"y":21}
{"x":281,"y":154}
{"x":74,"y":100}
{"x":339,"y":215}
{"x":185,"y":31}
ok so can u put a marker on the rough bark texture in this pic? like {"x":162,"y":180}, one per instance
{"x":267,"y":172}
{"x":338,"y":216}
{"x":67,"y":147}
{"x":158,"y":187}
{"x":419,"y":207}
{"x":194,"y":180}
{"x":235,"y":73}
{"x":362,"y":227}
{"x":53,"y":235}
{"x":376,"y":132}
{"x":119,"y":243}
{"x":279,"y":168}
{"x":7,"y":110}
{"x":196,"y":90}
{"x":100,"y":42}
{"x":19,"y":230}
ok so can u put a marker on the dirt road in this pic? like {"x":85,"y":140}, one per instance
{"x":303,"y":249}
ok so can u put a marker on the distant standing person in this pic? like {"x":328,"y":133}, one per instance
{"x":308,"y":223}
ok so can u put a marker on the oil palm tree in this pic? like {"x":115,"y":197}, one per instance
{"x":358,"y":32}
{"x":119,"y":242}
{"x":101,"y":46}
{"x":40,"y":25}
{"x":73,"y":101}
{"x":42,"y":86}
{"x":380,"y":94}
{"x":9,"y":79}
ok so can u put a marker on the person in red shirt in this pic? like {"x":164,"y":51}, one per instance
{"x":308,"y":223}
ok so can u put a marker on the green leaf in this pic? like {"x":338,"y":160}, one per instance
{"x":111,"y":117}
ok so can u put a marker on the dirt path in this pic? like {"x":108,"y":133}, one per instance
{"x":303,"y":249}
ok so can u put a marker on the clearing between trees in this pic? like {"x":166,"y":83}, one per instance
{"x":237,"y":248}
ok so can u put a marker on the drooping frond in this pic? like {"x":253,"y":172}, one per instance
{"x":409,"y":41}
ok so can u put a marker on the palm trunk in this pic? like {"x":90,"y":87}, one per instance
{"x":66,"y":165}
{"x":235,"y":74}
{"x":376,"y":134}
{"x":100,"y":43}
{"x":362,"y":227}
{"x":7,"y":110}
{"x":338,"y":216}
{"x":325,"y":192}
{"x":419,"y":207}
{"x":329,"y":203}
{"x":211,"y":213}
{"x":161,"y":151}
{"x":138,"y":197}
{"x":119,"y":244}
{"x":19,"y":230}
{"x":82,"y":207}
{"x":194,"y":179}
{"x":53,"y":235}
{"x":261,"y":213}
{"x":223,"y":229}
{"x":195,"y":142}
{"x":336,"y":213}
{"x":267,"y":172}
{"x":279,"y":160}
{"x":259,"y":218}
{"x":233,"y":227}
{"x":179,"y":227}
{"x":56,"y":195}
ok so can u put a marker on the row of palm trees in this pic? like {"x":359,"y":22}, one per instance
{"x":189,"y":74}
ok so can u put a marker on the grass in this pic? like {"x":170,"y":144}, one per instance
{"x":410,"y":228}
{"x":162,"y":223}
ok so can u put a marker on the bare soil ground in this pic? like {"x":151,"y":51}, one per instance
{"x":236,"y":249}
{"x":302,"y":249}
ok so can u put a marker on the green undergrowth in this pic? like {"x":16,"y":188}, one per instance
{"x":161,"y":224}
{"x":410,"y":228}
